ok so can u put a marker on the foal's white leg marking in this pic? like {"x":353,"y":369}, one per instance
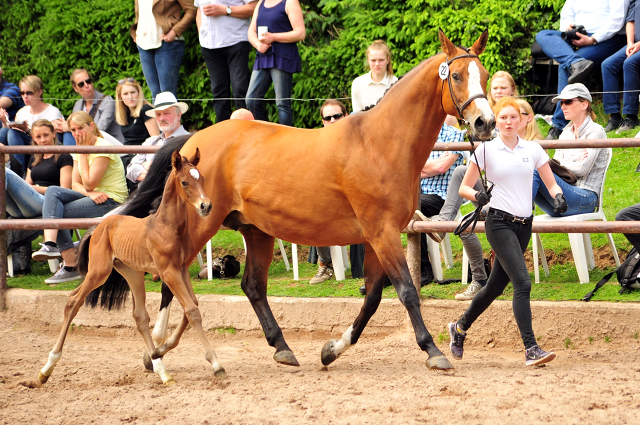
{"x":158,"y":368}
{"x":342,"y":345}
{"x":47,"y":370}
{"x":475,"y":87}
{"x":161,"y":328}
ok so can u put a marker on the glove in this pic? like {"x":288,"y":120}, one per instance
{"x":483,"y":197}
{"x":559,"y":204}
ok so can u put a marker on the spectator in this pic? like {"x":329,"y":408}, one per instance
{"x":224,"y":43}
{"x":281,"y":26}
{"x":25,"y":197}
{"x":624,"y":63}
{"x":588,"y":164}
{"x":101,"y":108}
{"x":331,"y":112}
{"x":168,"y":113}
{"x":501,"y":85}
{"x":10,"y":99}
{"x":603,"y":20}
{"x":367,"y":89}
{"x":31,"y":88}
{"x":528,"y":129}
{"x":98,"y":186}
{"x":631,"y":213}
{"x":157,"y":31}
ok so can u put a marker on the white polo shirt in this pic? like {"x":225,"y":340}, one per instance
{"x":511,"y":172}
{"x":366,"y":92}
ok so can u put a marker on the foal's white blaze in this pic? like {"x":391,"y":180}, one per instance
{"x":194,"y":173}
{"x":475,"y":87}
{"x":340,"y":346}
{"x":53,"y":359}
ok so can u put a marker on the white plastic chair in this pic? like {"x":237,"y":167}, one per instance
{"x":580,"y":242}
{"x":339,"y":258}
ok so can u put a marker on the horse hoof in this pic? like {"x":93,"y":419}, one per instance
{"x":286,"y":357}
{"x":42,"y":378}
{"x":439,"y":363}
{"x":170,"y":381}
{"x":327,"y":354}
{"x":220,"y":374}
{"x":146,"y":360}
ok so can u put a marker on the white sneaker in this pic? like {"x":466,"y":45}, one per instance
{"x":63,"y":275}
{"x":324,"y":273}
{"x":46,"y":253}
{"x":470,"y":292}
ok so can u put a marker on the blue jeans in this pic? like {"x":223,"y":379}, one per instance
{"x":66,"y":138}
{"x":11,"y":137}
{"x":629,"y":67}
{"x":66,"y":203}
{"x":562,"y":52}
{"x":258,"y":87}
{"x":579,"y":201}
{"x":22,"y":200}
{"x":161,"y":66}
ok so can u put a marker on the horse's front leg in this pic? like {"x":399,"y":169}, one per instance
{"x":161,"y":329}
{"x":254,"y":285}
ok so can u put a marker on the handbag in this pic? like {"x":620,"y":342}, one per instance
{"x":563,"y":172}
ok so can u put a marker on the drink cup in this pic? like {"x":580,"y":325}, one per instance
{"x":262,"y":30}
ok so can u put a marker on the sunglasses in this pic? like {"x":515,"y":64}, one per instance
{"x":26,"y":93}
{"x":82,"y":83}
{"x":524,"y":113}
{"x":335,"y":117}
{"x":566,"y":102}
{"x":126,"y":80}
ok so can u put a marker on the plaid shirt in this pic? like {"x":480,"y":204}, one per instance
{"x":439,"y":184}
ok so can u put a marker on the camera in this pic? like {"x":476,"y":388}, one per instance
{"x":571,"y":34}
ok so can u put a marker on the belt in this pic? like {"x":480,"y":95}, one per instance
{"x":509,"y":217}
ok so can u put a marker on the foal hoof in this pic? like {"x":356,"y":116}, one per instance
{"x":42,"y":378}
{"x":286,"y":357}
{"x":439,"y":363}
{"x":327,"y":356}
{"x":169,"y":381}
{"x":146,"y":360}
{"x":220,"y":374}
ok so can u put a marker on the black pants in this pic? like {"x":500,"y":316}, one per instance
{"x":631,"y":213}
{"x":228,"y":66}
{"x":430,"y":205}
{"x":509,"y":240}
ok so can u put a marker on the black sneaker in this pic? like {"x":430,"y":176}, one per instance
{"x":579,"y":71}
{"x":612,"y":124}
{"x":536,"y":356}
{"x":628,"y":124}
{"x":457,"y":341}
{"x":554,"y":133}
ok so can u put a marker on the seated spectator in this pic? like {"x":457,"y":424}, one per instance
{"x":367,"y":89}
{"x":588,"y":164}
{"x":602,"y":21}
{"x":624,"y":63}
{"x":631,"y":213}
{"x":501,"y":84}
{"x":26,"y":197}
{"x":18,"y":133}
{"x":168,"y":113}
{"x":98,"y":186}
{"x":10,"y":99}
{"x":100,"y":107}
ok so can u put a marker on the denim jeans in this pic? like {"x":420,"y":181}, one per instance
{"x":562,"y":52}
{"x":66,"y":138}
{"x":22,"y":200}
{"x":66,"y":203}
{"x":161,"y":66}
{"x":509,"y":241}
{"x":579,"y":201}
{"x":11,"y":137}
{"x":631,"y":213}
{"x":258,"y":87}
{"x":228,"y":66}
{"x":629,"y":67}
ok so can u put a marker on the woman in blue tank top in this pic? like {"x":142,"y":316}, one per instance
{"x":276,"y":27}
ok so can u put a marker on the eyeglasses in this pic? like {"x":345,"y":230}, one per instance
{"x":26,"y":93}
{"x":524,"y":113}
{"x":82,"y":83}
{"x":335,"y":117}
{"x":566,"y":102}
{"x":126,"y":80}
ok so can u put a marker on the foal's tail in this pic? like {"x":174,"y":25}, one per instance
{"x":113,"y":293}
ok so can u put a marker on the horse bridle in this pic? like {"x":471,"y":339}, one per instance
{"x":456,"y":103}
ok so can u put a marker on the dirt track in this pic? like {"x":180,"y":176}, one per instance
{"x":100,"y":379}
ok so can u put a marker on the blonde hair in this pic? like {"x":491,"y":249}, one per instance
{"x":509,"y":78}
{"x":503,"y":102}
{"x":589,"y":108}
{"x":382,"y":46}
{"x":81,"y":118}
{"x":37,"y":157}
{"x":533,"y":132}
{"x":33,"y":82}
{"x":122,"y":110}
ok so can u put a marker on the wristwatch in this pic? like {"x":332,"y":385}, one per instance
{"x":594,"y":40}
{"x":228,"y":10}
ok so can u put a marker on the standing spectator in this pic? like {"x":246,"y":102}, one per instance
{"x":224,"y":42}
{"x":281,"y":26}
{"x":10,"y":99}
{"x":501,"y":84}
{"x":157,"y":31}
{"x":603,"y":20}
{"x":626,"y":63}
{"x":367,"y":89}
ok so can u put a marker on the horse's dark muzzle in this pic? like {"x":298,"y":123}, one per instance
{"x":204,"y":208}
{"x":483,"y":128}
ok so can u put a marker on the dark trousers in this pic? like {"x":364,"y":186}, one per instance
{"x":430,"y":205}
{"x":228,"y":66}
{"x":631,"y":213}
{"x":509,"y":240}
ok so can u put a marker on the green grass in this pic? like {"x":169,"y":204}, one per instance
{"x":562,"y":283}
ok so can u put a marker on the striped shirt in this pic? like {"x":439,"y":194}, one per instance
{"x":439,"y":184}
{"x":222,"y":31}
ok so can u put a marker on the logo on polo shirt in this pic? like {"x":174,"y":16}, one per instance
{"x":525,"y":159}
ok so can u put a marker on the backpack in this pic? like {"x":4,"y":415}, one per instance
{"x":223,"y":268}
{"x":628,"y":275}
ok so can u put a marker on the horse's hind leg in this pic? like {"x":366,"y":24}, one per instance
{"x":254,"y":285}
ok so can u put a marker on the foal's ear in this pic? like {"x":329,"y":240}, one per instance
{"x":176,"y":160}
{"x":445,"y":44}
{"x":480,"y":44}
{"x":195,"y":158}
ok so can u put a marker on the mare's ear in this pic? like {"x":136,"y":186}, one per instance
{"x":176,"y":160}
{"x":446,"y":45}
{"x":195,"y":158}
{"x":480,"y":44}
